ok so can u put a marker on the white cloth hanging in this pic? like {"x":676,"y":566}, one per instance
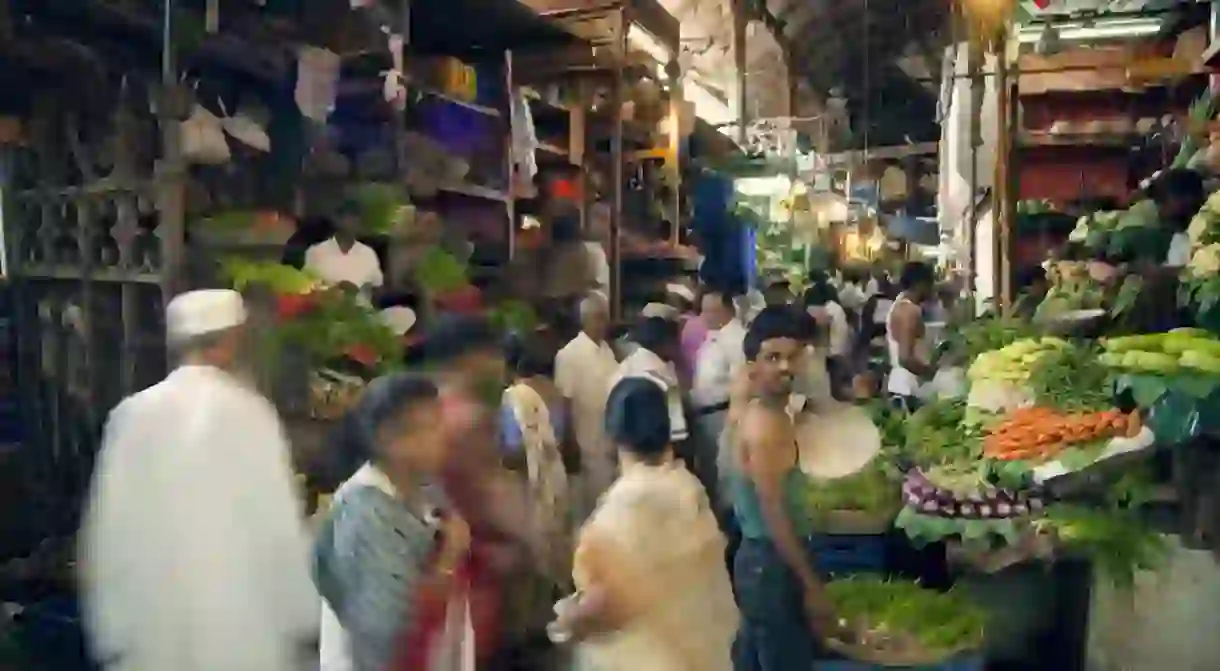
{"x":525,"y":138}
{"x":395,"y":87}
{"x":317,"y":82}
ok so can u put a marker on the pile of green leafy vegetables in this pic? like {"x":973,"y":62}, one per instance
{"x":1116,"y":540}
{"x":987,"y":333}
{"x":874,"y":489}
{"x":936,"y":621}
{"x":1072,"y":379}
{"x":937,"y":433}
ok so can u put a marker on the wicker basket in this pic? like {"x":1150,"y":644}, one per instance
{"x":911,"y":655}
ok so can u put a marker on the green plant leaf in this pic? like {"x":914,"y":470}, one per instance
{"x":1195,"y":386}
{"x":1146,"y":390}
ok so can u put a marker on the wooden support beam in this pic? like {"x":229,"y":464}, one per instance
{"x":883,"y":153}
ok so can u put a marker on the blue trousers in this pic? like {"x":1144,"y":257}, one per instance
{"x":774,"y":633}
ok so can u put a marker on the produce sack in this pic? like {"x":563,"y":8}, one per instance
{"x":203,"y":138}
{"x":853,"y":489}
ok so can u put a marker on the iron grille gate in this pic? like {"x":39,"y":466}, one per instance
{"x":84,"y":265}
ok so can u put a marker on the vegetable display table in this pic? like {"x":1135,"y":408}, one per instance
{"x":966,"y":663}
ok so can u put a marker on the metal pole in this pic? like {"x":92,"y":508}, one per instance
{"x":170,"y":169}
{"x":616,"y":162}
{"x":740,"y":21}
{"x":1002,"y":221}
{"x":973,"y":58}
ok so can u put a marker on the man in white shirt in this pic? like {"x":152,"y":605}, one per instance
{"x":194,"y":553}
{"x":657,"y":345}
{"x":344,"y":261}
{"x":721,"y":358}
{"x":584,"y":369}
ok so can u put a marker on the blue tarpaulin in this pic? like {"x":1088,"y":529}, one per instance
{"x":913,"y":230}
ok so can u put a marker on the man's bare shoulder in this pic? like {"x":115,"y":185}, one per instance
{"x":760,"y":423}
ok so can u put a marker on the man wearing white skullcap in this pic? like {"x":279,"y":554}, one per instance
{"x":194,"y":553}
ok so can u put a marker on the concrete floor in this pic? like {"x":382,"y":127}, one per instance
{"x":1170,"y":621}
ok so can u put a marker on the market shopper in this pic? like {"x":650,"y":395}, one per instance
{"x":654,"y":592}
{"x":657,"y":343}
{"x":584,"y":371}
{"x":389,"y":558}
{"x":906,"y":337}
{"x":820,"y":301}
{"x":533,"y":425}
{"x":783,"y":604}
{"x":193,"y":551}
{"x":466,"y":356}
{"x":721,"y":359}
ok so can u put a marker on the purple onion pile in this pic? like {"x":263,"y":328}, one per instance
{"x":988,"y":503}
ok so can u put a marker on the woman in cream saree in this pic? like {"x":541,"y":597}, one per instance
{"x":654,"y":593}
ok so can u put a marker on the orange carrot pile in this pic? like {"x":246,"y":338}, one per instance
{"x":1038,"y":433}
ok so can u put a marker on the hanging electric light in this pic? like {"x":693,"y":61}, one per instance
{"x":988,"y":20}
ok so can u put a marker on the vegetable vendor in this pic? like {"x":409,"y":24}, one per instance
{"x":1178,"y":194}
{"x":906,"y":338}
{"x":344,"y":261}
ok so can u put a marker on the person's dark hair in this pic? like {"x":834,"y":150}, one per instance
{"x":454,"y":336}
{"x":1029,"y":276}
{"x":384,"y":405}
{"x":916,"y":273}
{"x":565,"y":227}
{"x":773,"y":322}
{"x":886,"y":288}
{"x":1179,"y":183}
{"x":820,"y":293}
{"x":806,"y":326}
{"x":655,"y":334}
{"x":637,"y":417}
{"x":527,"y":356}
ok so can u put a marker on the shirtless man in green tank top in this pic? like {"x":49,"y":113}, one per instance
{"x":783,"y":605}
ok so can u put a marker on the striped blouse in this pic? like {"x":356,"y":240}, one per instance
{"x":369,"y":556}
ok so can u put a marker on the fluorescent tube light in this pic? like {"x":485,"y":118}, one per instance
{"x":1101,"y":29}
{"x":707,"y":106}
{"x":774,"y":185}
{"x":645,"y":41}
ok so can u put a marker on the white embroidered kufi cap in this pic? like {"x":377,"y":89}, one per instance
{"x":659,"y":310}
{"x":196,"y":313}
{"x":681,"y":291}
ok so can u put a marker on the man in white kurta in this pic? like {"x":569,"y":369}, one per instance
{"x":583,"y":372}
{"x":194,"y":554}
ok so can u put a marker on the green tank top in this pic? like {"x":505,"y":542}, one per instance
{"x":749,"y":511}
{"x":807,"y":498}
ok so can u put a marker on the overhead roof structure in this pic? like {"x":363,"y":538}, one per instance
{"x":882,"y":56}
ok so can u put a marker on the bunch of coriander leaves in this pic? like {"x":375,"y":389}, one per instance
{"x":988,"y":332}
{"x":1072,"y":379}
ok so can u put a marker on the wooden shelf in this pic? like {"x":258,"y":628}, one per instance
{"x":475,"y":191}
{"x":481,"y":109}
{"x":534,"y":96}
{"x":47,"y":271}
{"x":1035,"y":139}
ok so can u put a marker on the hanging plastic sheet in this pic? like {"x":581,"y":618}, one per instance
{"x":1179,"y":407}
